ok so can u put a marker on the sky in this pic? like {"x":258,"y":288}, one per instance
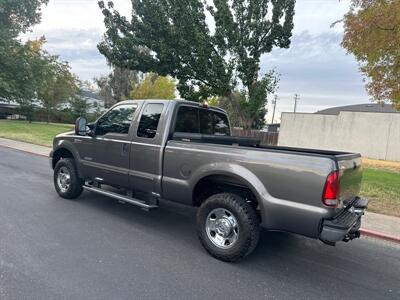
{"x":315,"y":66}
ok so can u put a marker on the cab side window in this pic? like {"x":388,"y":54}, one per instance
{"x":191,"y":119}
{"x":221,"y":124}
{"x":149,"y":120}
{"x":118,"y":120}
{"x":187,"y":120}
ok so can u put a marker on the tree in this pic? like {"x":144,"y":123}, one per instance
{"x":29,"y":75}
{"x":172,"y":37}
{"x":57,"y":84}
{"x":17,"y":16}
{"x":17,"y":59}
{"x":117,"y":85}
{"x":21,"y":72}
{"x":249,"y":114}
{"x":78,"y":105}
{"x":16,"y":70}
{"x":372,"y":34}
{"x":155,"y":87}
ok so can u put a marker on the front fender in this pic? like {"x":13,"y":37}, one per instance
{"x":62,"y":145}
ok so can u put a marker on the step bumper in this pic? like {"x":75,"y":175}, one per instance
{"x":345,"y":226}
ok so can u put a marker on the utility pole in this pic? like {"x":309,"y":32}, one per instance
{"x":274,"y":103}
{"x":296,"y":98}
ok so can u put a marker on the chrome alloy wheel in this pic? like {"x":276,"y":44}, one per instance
{"x":222,"y":228}
{"x":63,"y":179}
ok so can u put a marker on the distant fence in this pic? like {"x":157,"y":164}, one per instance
{"x":266,"y":138}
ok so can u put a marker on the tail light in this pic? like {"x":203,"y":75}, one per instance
{"x":330,"y":196}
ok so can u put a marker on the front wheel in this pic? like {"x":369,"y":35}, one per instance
{"x":66,"y":180}
{"x":228,"y":226}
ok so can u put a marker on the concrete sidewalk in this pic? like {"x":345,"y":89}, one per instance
{"x":31,"y":148}
{"x":374,"y":225}
{"x":381,"y":226}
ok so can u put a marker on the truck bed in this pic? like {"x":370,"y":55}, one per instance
{"x":255,"y":143}
{"x":348,"y":164}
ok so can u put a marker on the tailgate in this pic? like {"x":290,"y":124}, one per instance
{"x":350,"y":176}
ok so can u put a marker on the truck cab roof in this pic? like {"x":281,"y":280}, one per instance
{"x":176,"y":101}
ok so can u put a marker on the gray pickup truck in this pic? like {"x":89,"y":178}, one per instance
{"x":146,"y":151}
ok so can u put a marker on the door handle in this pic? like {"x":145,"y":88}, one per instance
{"x":124,"y":148}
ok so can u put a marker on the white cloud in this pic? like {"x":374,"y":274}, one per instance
{"x":317,"y":68}
{"x":78,"y":47}
{"x":316,"y":16}
{"x":77,"y":14}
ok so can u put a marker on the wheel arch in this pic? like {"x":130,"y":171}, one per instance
{"x":65,"y":150}
{"x":61,"y":153}
{"x":232,"y":178}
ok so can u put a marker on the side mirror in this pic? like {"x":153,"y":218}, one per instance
{"x":80,"y":126}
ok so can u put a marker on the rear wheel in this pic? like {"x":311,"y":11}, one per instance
{"x":228,"y":226}
{"x":66,"y":180}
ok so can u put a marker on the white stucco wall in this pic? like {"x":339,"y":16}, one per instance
{"x":375,"y":135}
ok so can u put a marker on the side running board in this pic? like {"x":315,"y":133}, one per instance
{"x":123,"y":198}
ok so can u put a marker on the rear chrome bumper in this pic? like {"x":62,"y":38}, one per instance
{"x":346,"y":225}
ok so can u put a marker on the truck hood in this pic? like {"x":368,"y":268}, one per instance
{"x":68,"y":133}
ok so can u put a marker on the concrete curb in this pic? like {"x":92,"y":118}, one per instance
{"x":380,"y":235}
{"x":26,"y":151}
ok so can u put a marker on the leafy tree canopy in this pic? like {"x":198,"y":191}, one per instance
{"x":372,"y":34}
{"x":172,"y":37}
{"x":17,"y":60}
{"x":78,"y":105}
{"x":18,"y":15}
{"x":57,"y":84}
{"x":117,"y":86}
{"x":155,"y":87}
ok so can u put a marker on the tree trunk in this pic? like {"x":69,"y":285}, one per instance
{"x":231,"y":102}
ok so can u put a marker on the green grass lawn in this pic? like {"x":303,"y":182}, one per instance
{"x":382,"y":187}
{"x":35,"y":133}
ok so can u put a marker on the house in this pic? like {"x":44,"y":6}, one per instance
{"x":94,"y":100}
{"x":368,"y":107}
{"x":7,"y":109}
{"x":271,"y":127}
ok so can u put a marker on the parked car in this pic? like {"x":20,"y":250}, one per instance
{"x":151,"y":150}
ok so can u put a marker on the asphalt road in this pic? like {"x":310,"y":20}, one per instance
{"x":97,"y":248}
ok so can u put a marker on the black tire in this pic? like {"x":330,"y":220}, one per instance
{"x":248,"y":230}
{"x":75,"y":186}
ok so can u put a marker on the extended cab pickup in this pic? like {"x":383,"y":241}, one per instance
{"x":145,"y":151}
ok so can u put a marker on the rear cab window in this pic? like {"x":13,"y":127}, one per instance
{"x":149,"y":120}
{"x":191,"y":119}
